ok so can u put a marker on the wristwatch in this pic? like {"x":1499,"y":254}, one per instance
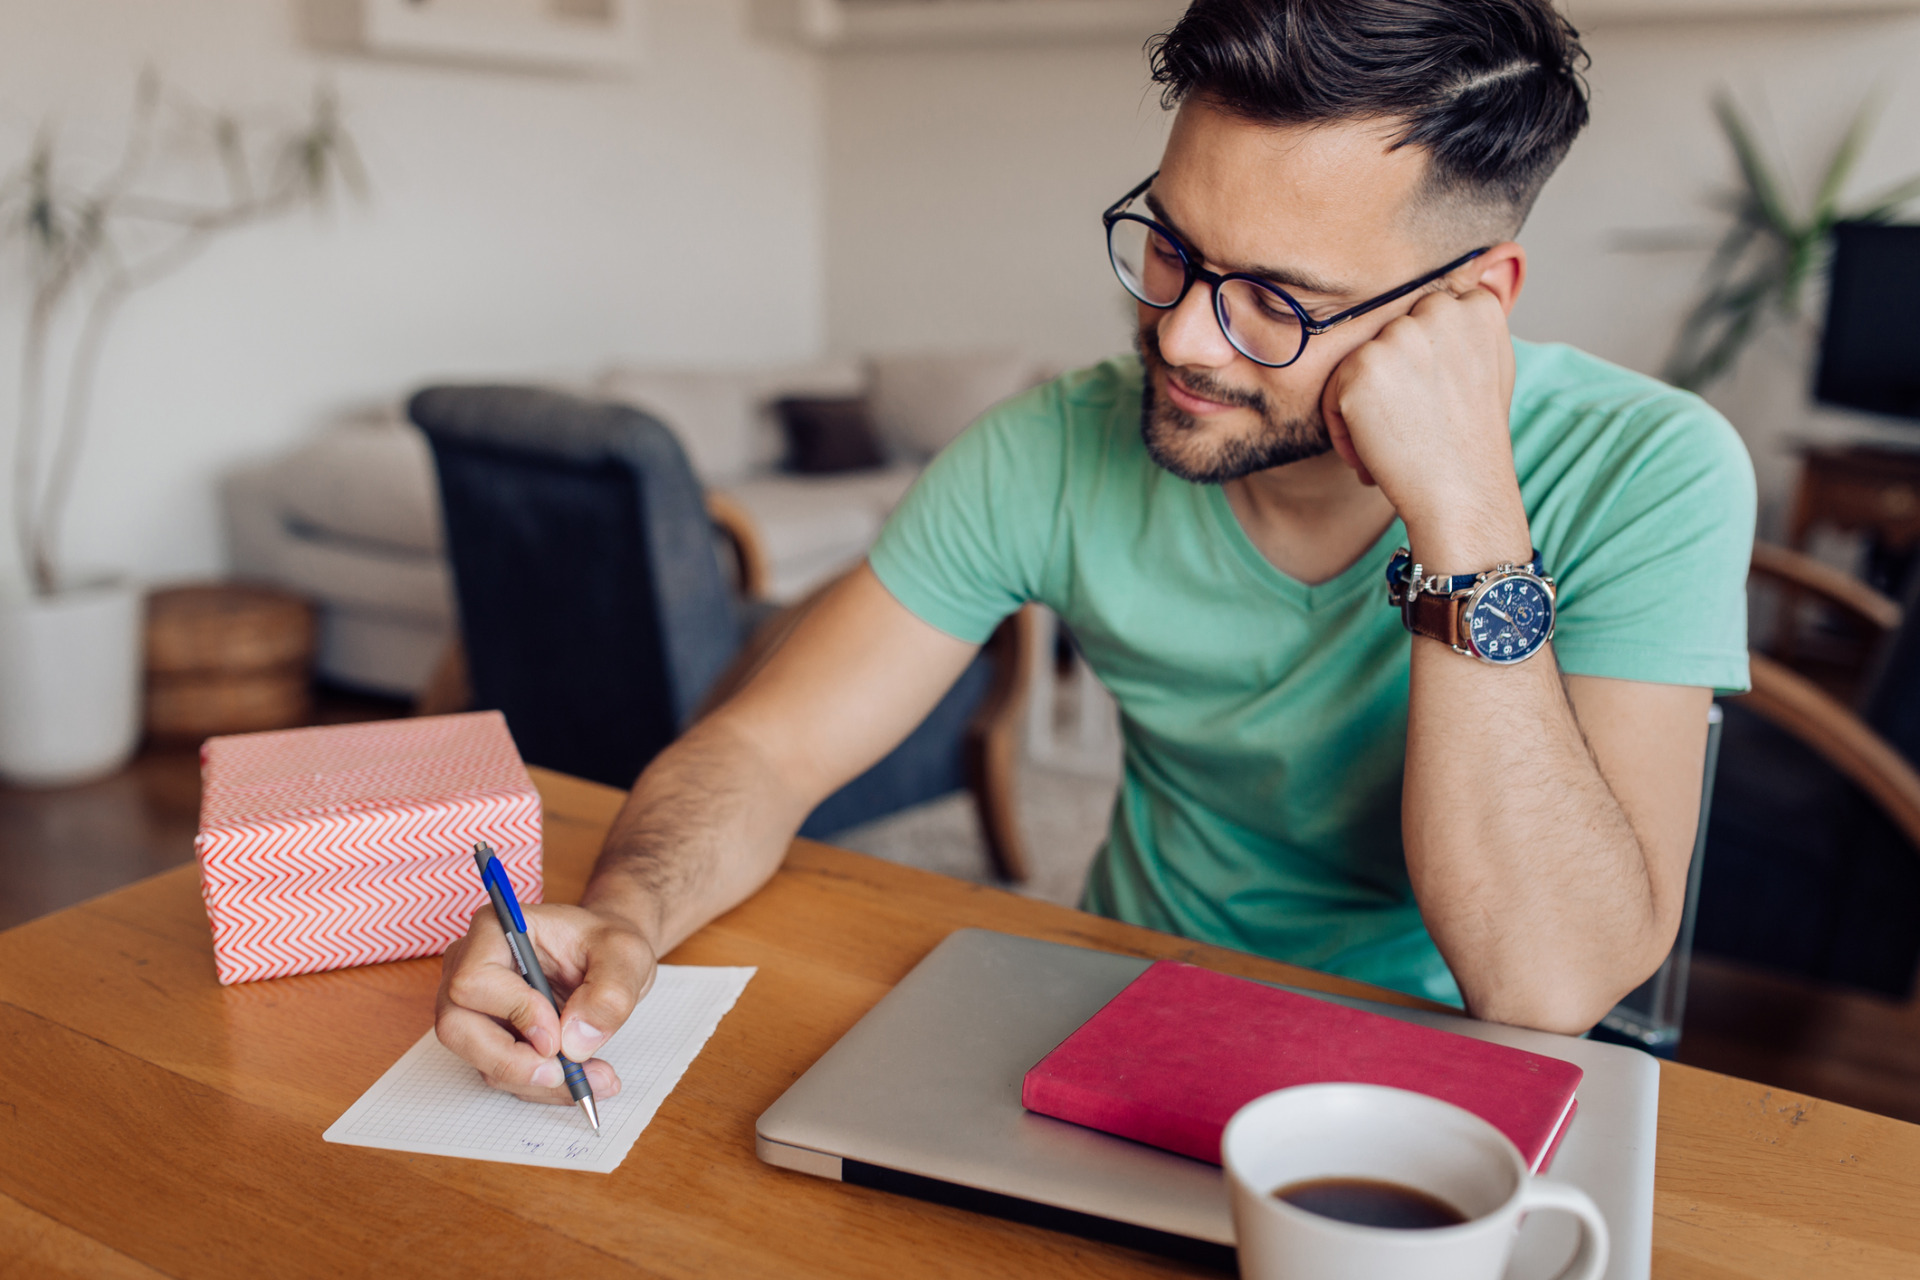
{"x":1502,"y":616}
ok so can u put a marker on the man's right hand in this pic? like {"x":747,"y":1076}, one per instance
{"x":596,"y":961}
{"x":705,"y":826}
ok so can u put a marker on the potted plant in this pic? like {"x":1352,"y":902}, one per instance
{"x":1761,"y":270}
{"x":70,"y":644}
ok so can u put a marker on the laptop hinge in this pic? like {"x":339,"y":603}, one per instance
{"x":800,"y":1159}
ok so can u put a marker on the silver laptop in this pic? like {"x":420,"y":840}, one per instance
{"x":922,"y":1098}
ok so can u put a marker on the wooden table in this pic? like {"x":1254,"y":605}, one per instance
{"x":153,"y":1123}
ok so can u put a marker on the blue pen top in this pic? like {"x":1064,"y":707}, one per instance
{"x":505,"y":887}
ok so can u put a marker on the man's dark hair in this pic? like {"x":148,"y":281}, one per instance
{"x":1490,"y":88}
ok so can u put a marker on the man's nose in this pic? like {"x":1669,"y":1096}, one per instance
{"x":1190,"y":335}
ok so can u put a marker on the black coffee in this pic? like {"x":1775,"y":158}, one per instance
{"x":1369,"y":1202}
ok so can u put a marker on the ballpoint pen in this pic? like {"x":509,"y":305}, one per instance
{"x":514,"y":925}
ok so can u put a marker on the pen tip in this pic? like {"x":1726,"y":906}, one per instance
{"x":593,"y":1112}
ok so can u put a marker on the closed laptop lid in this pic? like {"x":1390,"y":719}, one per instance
{"x":922,"y":1097}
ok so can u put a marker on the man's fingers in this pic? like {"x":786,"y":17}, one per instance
{"x":498,"y":991}
{"x":1338,"y":433}
{"x":620,"y":970}
{"x":483,"y":1000}
{"x":512,"y":1064}
{"x":503,"y":1059}
{"x":601,"y":1075}
{"x":1342,"y":440}
{"x":605,"y":1085}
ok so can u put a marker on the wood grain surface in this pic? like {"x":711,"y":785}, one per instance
{"x":155,"y":1123}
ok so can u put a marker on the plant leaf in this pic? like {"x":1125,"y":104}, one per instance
{"x":1840,"y":168}
{"x":1761,"y":183}
{"x":1889,"y":202}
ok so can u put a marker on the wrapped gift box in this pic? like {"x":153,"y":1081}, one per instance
{"x":353,"y":844}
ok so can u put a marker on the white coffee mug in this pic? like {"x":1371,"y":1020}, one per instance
{"x":1368,"y":1131}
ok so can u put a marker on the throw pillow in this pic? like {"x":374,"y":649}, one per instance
{"x":827,"y":435}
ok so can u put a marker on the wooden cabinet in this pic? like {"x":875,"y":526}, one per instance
{"x":1859,"y":489}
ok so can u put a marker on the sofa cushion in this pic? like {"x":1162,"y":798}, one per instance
{"x":920,"y":402}
{"x":335,"y":571}
{"x":711,"y":411}
{"x":724,"y":417}
{"x":843,"y":377}
{"x":385,"y":612}
{"x":816,"y":525}
{"x":368,"y":481}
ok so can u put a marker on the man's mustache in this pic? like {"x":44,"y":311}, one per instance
{"x":1200,"y":384}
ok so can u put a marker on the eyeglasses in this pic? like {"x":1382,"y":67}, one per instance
{"x":1263,"y":321}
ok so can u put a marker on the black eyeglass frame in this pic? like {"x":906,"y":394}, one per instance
{"x":1309,"y":327}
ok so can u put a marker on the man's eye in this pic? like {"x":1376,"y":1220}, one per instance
{"x":1272,"y":308}
{"x":1162,"y":248}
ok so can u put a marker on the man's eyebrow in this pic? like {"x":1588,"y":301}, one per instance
{"x":1286,"y":277}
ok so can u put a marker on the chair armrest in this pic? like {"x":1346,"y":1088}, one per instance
{"x":1838,"y":736}
{"x":1843,"y":591}
{"x":749,"y":545}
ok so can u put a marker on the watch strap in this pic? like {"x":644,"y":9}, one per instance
{"x":1436,"y":617}
{"x":1402,"y":569}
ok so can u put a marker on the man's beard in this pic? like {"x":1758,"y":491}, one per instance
{"x":1175,"y":439}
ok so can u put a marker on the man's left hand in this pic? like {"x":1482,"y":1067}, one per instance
{"x":1421,"y":410}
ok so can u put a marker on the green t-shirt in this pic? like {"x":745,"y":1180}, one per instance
{"x":1264,"y":720}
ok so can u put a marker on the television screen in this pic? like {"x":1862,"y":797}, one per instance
{"x":1870,"y":354}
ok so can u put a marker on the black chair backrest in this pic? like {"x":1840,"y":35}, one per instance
{"x":1891,"y":701}
{"x":1806,"y":875}
{"x":592,"y":603}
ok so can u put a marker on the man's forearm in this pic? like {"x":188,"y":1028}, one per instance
{"x":707,"y":824}
{"x":1529,"y":874}
{"x":1547,"y":880}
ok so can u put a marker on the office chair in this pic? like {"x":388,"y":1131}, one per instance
{"x":596,"y":615}
{"x":1813,"y":855}
{"x":1650,"y":1017}
{"x":1807,"y":858}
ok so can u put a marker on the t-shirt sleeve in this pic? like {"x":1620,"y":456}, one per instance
{"x":1653,"y":580}
{"x":969,"y":543}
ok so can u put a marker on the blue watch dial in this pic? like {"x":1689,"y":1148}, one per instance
{"x":1511,"y":620}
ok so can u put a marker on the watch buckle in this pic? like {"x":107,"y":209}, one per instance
{"x":1400,"y":592}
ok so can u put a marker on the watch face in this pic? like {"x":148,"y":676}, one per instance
{"x":1511,"y":619}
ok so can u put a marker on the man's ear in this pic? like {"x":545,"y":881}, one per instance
{"x":1501,"y":271}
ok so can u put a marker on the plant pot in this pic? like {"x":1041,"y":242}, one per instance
{"x":69,"y":684}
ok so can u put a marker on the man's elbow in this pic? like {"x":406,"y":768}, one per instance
{"x":1571,"y":1000}
{"x":1558,"y":1009}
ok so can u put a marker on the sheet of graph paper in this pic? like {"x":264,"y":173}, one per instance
{"x":433,"y":1103}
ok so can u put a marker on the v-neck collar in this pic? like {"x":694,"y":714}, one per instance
{"x":1357,"y":576}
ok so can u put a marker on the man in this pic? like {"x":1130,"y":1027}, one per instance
{"x":1324,"y":264}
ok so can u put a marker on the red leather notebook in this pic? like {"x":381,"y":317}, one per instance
{"x":1171,"y":1058}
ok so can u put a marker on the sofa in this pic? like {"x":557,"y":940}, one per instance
{"x":351,"y":518}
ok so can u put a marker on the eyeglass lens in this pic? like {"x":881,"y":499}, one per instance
{"x":1257,"y":320}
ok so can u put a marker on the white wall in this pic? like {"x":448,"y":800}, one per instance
{"x":931,"y":153}
{"x":520,"y":224}
{"x":1653,"y":158}
{"x":735,"y":201}
{"x":935,"y":156}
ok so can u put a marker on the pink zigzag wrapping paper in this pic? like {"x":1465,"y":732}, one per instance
{"x":353,"y":844}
